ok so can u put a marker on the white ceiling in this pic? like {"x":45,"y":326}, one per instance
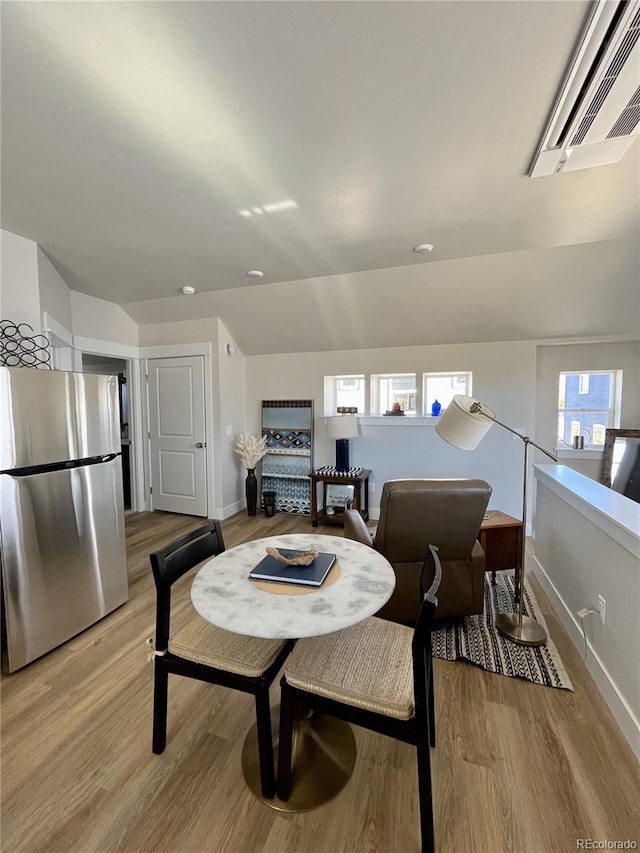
{"x":134,"y":133}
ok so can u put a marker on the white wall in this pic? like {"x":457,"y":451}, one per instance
{"x":31,"y":286}
{"x":227,"y":401}
{"x":577,"y":290}
{"x":19,"y":291}
{"x":588,"y":544}
{"x":96,"y":319}
{"x":232,"y":417}
{"x":504,"y":376}
{"x":55,"y":296}
{"x":183,"y":332}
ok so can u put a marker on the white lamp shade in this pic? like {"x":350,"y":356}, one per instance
{"x":460,"y":426}
{"x":343,"y":426}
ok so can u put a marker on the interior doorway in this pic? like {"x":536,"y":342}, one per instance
{"x":117,"y":367}
{"x":177,"y":433}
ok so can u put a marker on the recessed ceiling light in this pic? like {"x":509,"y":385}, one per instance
{"x":188,"y":289}
{"x":255,"y":274}
{"x":423,"y":249}
{"x":288,"y":204}
{"x":271,"y":207}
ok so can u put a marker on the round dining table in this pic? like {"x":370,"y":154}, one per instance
{"x":360,"y":583}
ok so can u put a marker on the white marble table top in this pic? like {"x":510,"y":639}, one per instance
{"x":223,"y":594}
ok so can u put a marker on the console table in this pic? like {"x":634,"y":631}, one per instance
{"x":356,"y":477}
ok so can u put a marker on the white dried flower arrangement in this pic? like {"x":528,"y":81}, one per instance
{"x":250,"y":449}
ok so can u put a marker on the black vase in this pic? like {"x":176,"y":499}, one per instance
{"x":251,"y":491}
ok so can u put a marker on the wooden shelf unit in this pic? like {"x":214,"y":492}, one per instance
{"x":287,"y":426}
{"x":358,"y":478}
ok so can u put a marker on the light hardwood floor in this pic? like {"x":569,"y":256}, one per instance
{"x":518,"y":767}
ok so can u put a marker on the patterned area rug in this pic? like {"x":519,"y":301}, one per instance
{"x":475,"y":640}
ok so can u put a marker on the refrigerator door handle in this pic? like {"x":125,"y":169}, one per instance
{"x":58,"y":466}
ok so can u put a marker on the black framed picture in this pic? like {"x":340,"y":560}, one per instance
{"x":339,"y":496}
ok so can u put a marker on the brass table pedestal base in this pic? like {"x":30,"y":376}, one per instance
{"x":324,"y":755}
{"x":530,"y":633}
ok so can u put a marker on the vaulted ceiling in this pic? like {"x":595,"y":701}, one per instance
{"x":147,"y":146}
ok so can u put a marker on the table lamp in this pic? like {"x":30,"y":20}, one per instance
{"x":464,"y":424}
{"x":342,"y":428}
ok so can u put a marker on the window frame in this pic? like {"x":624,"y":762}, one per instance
{"x":611,"y":413}
{"x":441,"y":374}
{"x":372,"y":406}
{"x":375,"y":404}
{"x":332,"y":392}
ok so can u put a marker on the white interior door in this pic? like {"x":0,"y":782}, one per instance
{"x":177,"y":435}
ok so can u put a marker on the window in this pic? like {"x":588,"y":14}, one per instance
{"x":588,"y":403}
{"x":443,"y":387}
{"x":343,"y":391}
{"x":391,"y":389}
{"x":349,"y":383}
{"x":379,"y":393}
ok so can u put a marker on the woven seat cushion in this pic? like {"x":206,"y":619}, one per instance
{"x":368,"y":665}
{"x":204,"y":643}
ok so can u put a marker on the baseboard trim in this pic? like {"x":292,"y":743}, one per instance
{"x":618,"y":706}
{"x":229,"y":510}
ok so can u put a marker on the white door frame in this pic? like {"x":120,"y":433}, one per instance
{"x":131,"y":355}
{"x":139,"y":407}
{"x":176,"y":351}
{"x":177,"y":418}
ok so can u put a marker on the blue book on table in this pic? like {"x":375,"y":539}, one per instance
{"x":271,"y":569}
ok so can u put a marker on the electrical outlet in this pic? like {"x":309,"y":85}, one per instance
{"x":372,"y":487}
{"x":602,"y":608}
{"x":230,"y":430}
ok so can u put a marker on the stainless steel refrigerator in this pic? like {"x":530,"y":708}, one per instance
{"x":62,"y":541}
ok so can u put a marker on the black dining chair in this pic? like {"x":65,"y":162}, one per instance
{"x":202,"y":651}
{"x":376,"y":674}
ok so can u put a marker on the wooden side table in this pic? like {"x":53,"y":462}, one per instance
{"x":356,"y":477}
{"x":501,"y":540}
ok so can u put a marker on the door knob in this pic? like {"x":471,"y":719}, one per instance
{"x":200,"y":444}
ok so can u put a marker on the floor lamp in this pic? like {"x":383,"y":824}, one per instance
{"x":464,"y":424}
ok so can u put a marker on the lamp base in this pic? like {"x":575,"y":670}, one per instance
{"x":530,"y":633}
{"x":342,"y":454}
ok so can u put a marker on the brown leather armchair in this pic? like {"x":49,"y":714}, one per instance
{"x":415,"y":514}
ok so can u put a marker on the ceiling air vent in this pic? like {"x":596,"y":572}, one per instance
{"x":596,"y":118}
{"x":629,"y":118}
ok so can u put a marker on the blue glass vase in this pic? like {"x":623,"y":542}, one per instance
{"x":435,"y":409}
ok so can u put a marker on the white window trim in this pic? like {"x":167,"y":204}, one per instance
{"x":395,"y":421}
{"x":374,"y":395}
{"x":331,"y":392}
{"x":587,"y":453}
{"x":422,"y":415}
{"x":614,"y":408}
{"x":434,"y":374}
